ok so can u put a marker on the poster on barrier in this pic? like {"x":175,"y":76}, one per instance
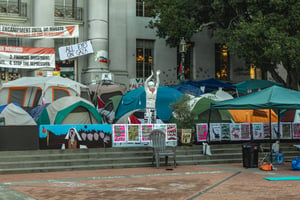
{"x":162,"y":127}
{"x":225,"y":131}
{"x":296,"y":130}
{"x":215,"y":132}
{"x":235,"y":131}
{"x":133,"y":133}
{"x":119,"y":133}
{"x":201,"y":131}
{"x":258,"y":131}
{"x":146,"y":130}
{"x":266,"y":130}
{"x":286,"y":129}
{"x":186,"y":136}
{"x":276,"y":132}
{"x":245,"y":131}
{"x":172,"y":132}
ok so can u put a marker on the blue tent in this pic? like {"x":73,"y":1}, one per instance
{"x":35,"y":112}
{"x":136,"y":99}
{"x":211,"y":84}
{"x":188,"y":89}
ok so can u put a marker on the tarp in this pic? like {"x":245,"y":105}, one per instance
{"x":108,"y":112}
{"x":274,"y":97}
{"x":290,"y":116}
{"x":253,"y":116}
{"x":252,"y":85}
{"x":70,"y":110}
{"x":125,"y":118}
{"x":16,"y":116}
{"x":33,"y":91}
{"x":211,"y":84}
{"x":136,"y":99}
{"x":188,"y":89}
{"x":105,"y":91}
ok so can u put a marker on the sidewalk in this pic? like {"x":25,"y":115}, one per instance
{"x":209,"y":182}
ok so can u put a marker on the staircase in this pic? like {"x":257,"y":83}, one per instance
{"x":120,"y":157}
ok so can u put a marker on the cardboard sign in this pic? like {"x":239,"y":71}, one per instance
{"x":76,"y":50}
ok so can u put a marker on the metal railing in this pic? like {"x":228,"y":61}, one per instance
{"x":13,"y":8}
{"x":68,"y":12}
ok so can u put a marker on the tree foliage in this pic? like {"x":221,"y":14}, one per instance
{"x":263,"y":33}
{"x":183,"y":116}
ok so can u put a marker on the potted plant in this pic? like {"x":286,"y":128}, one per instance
{"x":184,"y":119}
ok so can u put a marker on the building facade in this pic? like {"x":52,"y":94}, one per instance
{"x":118,"y":33}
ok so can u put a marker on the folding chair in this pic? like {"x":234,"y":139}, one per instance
{"x":158,"y":138}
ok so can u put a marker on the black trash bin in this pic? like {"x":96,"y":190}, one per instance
{"x":250,"y":155}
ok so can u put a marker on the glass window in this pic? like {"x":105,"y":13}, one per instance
{"x":59,"y":92}
{"x":65,"y":8}
{"x":144,"y":58}
{"x":141,"y":9}
{"x":222,"y":64}
{"x":10,"y":6}
{"x":17,"y":96}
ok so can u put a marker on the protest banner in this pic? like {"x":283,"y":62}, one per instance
{"x":71,"y":31}
{"x":27,"y":57}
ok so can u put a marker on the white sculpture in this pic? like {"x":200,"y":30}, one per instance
{"x":151,"y":93}
{"x":151,"y":90}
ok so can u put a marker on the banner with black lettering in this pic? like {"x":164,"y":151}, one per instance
{"x":27,"y":57}
{"x":71,"y":31}
{"x":76,"y":50}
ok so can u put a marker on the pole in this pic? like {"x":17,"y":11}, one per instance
{"x":182,"y":78}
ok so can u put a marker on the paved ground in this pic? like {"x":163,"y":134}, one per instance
{"x":209,"y":182}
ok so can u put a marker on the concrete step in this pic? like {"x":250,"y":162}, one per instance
{"x":120,"y":157}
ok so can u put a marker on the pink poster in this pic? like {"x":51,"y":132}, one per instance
{"x":201,"y":130}
{"x":296,"y":131}
{"x":119,"y":133}
{"x":245,"y":131}
{"x":146,"y":130}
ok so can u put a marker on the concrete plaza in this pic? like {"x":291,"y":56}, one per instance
{"x":222,"y":181}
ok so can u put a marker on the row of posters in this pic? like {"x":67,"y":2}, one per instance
{"x":244,"y":131}
{"x":139,"y":134}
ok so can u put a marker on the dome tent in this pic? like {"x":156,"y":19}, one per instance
{"x":69,"y":110}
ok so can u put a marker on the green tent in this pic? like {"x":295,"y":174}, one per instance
{"x":70,"y":110}
{"x":274,"y":97}
{"x":254,"y":85}
{"x":201,"y":110}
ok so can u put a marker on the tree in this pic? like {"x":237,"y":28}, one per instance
{"x":263,"y":33}
{"x":183,"y":115}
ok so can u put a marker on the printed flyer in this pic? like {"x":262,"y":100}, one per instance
{"x":201,"y":130}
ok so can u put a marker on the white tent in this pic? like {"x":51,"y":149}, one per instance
{"x":15,"y":116}
{"x":32,"y":91}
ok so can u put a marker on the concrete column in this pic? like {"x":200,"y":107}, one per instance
{"x":98,"y":34}
{"x":42,"y":15}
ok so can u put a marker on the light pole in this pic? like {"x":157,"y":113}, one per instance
{"x":182,"y":51}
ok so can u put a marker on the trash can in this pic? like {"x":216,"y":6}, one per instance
{"x":250,"y":155}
